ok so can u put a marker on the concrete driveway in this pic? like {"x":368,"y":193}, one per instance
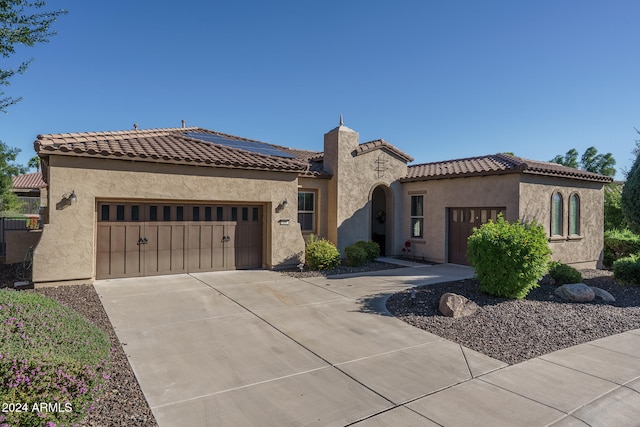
{"x":261,"y":348}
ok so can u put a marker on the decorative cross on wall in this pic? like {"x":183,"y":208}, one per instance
{"x":381,"y":165}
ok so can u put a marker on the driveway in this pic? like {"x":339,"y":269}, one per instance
{"x":261,"y":348}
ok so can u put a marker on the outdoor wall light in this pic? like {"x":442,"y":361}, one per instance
{"x":282,"y":205}
{"x":67,"y":200}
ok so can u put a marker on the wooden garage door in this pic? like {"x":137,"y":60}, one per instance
{"x":136,"y":239}
{"x":461,"y":224}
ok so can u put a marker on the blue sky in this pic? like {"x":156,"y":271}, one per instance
{"x":438,"y":79}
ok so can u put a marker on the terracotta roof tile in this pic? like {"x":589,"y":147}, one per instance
{"x":170,"y":145}
{"x":495,"y":164}
{"x":381,"y":144}
{"x":29,"y":180}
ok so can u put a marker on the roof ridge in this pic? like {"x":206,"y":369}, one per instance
{"x":462,"y":159}
{"x":139,"y":132}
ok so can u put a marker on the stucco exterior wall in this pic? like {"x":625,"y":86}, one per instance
{"x":321,"y":188}
{"x":583,"y":251}
{"x":484,"y":191}
{"x":66,"y":250}
{"x":352,"y":184}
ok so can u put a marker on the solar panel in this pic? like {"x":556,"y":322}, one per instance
{"x":253,"y":146}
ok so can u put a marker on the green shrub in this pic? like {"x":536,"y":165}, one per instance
{"x":321,"y":255}
{"x":371,"y":248}
{"x":619,"y":244}
{"x":49,"y":355}
{"x":613,"y":215}
{"x":563,"y":274}
{"x":627,"y":270}
{"x":356,"y":255}
{"x":509,"y":259}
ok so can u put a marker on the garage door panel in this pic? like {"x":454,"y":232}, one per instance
{"x":160,"y":238}
{"x":178,"y":249}
{"x":461,"y":224}
{"x":103,"y":261}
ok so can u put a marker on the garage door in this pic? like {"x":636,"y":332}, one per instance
{"x":461,"y":224}
{"x":143,"y":239}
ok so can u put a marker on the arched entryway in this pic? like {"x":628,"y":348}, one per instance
{"x":381,"y":218}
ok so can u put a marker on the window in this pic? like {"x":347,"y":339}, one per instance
{"x":153,"y":213}
{"x":196,"y":213}
{"x":574,"y":215}
{"x":417,"y":216}
{"x":556,"y":215}
{"x":105,"y":213}
{"x":119,"y":212}
{"x":306,"y":210}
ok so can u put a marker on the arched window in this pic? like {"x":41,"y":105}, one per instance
{"x":574,"y":215}
{"x":556,"y":215}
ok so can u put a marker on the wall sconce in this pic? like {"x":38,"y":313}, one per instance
{"x":67,"y":200}
{"x":282,"y":205}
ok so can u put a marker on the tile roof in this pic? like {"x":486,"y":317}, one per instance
{"x":171,"y":145}
{"x":28,"y":180}
{"x":496,"y":164}
{"x":381,"y":144}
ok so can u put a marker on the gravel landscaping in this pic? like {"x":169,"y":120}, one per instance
{"x":513,"y":331}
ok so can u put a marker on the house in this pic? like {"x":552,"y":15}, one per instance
{"x":175,"y":200}
{"x":31,"y":190}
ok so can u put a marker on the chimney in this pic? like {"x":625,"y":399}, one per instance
{"x":184,"y":123}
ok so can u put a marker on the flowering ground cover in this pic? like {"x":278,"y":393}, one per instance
{"x":52,"y":361}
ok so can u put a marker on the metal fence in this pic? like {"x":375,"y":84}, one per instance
{"x":10,"y":223}
{"x":30,"y":205}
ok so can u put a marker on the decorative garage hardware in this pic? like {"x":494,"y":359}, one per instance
{"x":226,"y":239}
{"x":284,"y":221}
{"x":67,"y":200}
{"x":143,"y":241}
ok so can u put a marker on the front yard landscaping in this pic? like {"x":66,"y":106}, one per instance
{"x":516,"y":330}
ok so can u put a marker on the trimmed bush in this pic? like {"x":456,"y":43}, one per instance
{"x":49,"y":355}
{"x":509,"y":259}
{"x":627,"y":270}
{"x":563,"y":274}
{"x":356,"y":255}
{"x":371,"y":248}
{"x":619,"y":244}
{"x":321,"y":255}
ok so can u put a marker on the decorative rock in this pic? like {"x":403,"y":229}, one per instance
{"x":576,"y":292}
{"x":454,"y":305}
{"x":603,"y":295}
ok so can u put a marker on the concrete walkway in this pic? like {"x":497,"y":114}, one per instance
{"x":245,"y":348}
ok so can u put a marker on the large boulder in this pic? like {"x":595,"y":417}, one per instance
{"x":454,"y":305}
{"x":603,"y":295}
{"x":576,"y":292}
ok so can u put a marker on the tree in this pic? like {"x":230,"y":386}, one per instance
{"x":570,"y":159}
{"x":590,"y":161}
{"x":8,"y":169}
{"x":34,"y":163}
{"x":21,"y":25}
{"x":630,"y":199}
{"x":613,"y":215}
